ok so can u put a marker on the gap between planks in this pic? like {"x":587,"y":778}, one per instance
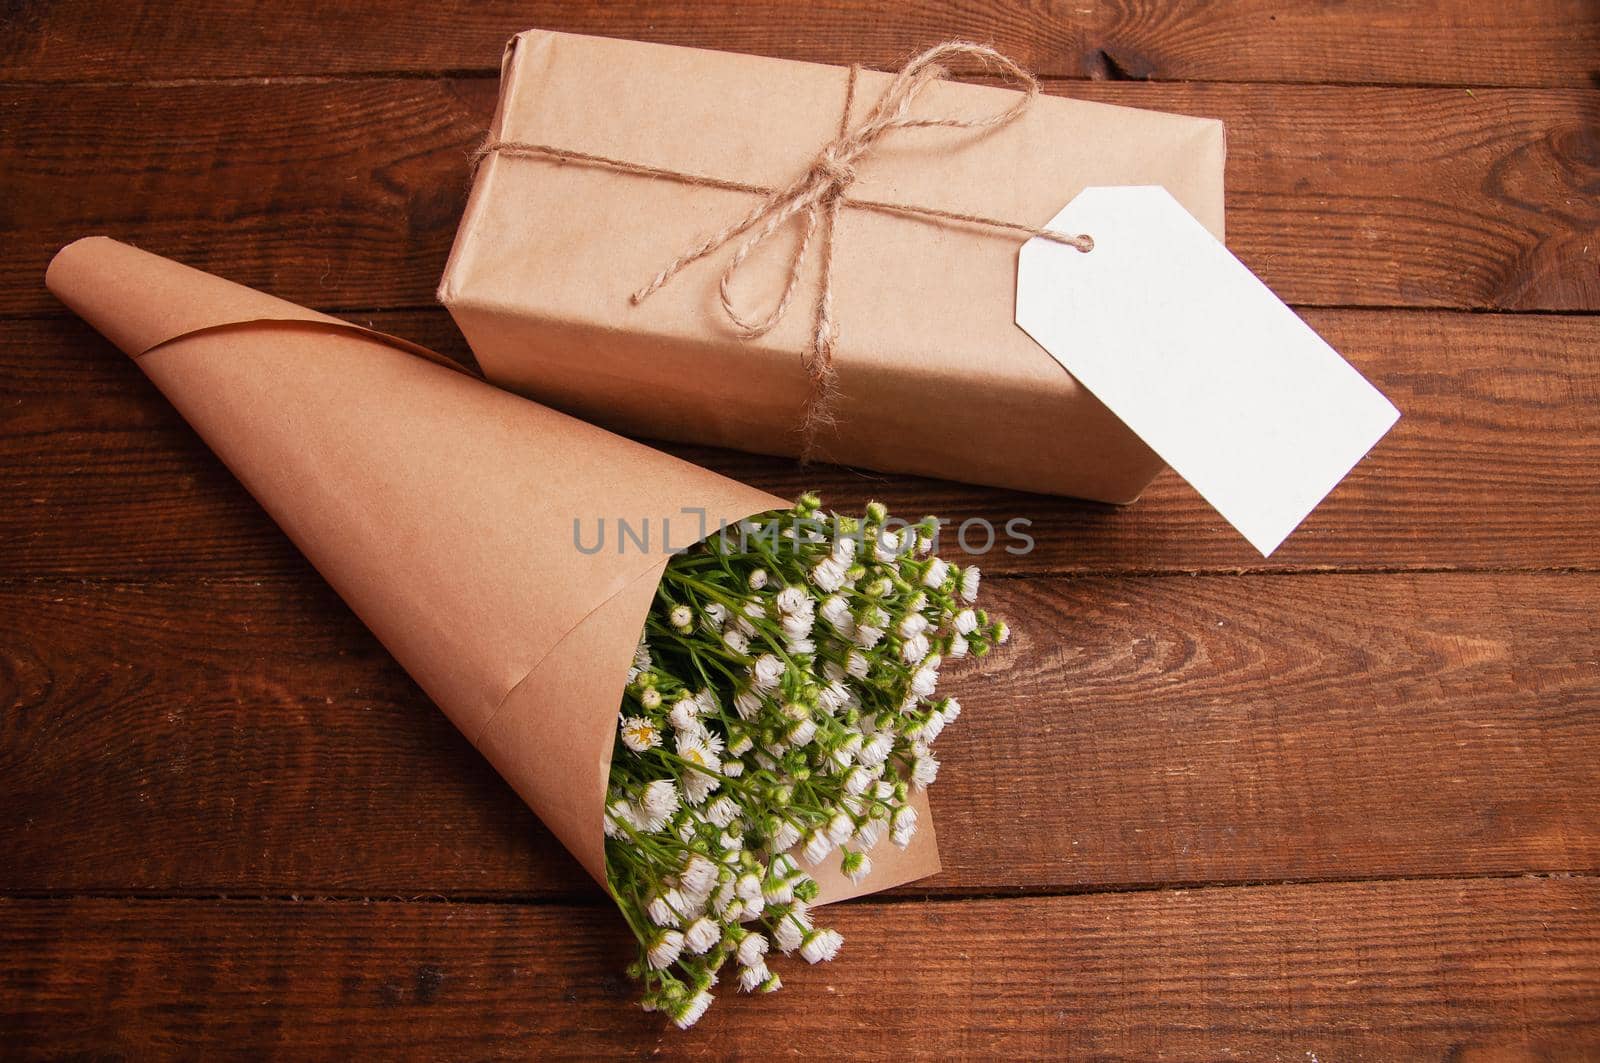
{"x":902,"y":895}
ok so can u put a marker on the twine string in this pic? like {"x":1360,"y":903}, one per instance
{"x":813,"y":201}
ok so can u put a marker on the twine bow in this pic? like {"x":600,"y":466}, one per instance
{"x":813,"y":201}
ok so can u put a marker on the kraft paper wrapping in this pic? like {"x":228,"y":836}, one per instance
{"x":441,"y":509}
{"x":935,"y":377}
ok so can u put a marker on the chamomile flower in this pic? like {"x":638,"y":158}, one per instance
{"x":640,"y":734}
{"x":797,"y":625}
{"x":915,"y":648}
{"x":698,"y":874}
{"x":685,"y":713}
{"x":856,"y":865}
{"x":692,"y":1009}
{"x":619,"y":817}
{"x":665,"y":949}
{"x":835,"y":610}
{"x":785,"y":837}
{"x":699,"y":755}
{"x":821,"y":945}
{"x":836,"y":697}
{"x":828,"y":574}
{"x":970,"y":578}
{"x":766,"y":671}
{"x":778,"y":891}
{"x":818,"y":846}
{"x":752,"y":947}
{"x":844,"y":550}
{"x":747,"y":703}
{"x":641,"y":661}
{"x":660,"y":798}
{"x":886,"y":548}
{"x":868,"y":835}
{"x":801,"y":733}
{"x":903,"y":825}
{"x":787,"y":934}
{"x":663,"y":912}
{"x":722,"y":811}
{"x":698,"y":786}
{"x":754,"y":975}
{"x":840,"y":827}
{"x":876,"y":749}
{"x":700,"y":935}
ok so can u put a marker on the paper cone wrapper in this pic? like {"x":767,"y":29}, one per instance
{"x":444,"y":511}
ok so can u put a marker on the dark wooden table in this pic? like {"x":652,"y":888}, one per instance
{"x":1343,"y":804}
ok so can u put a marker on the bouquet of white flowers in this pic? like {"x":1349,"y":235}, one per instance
{"x":782,"y":698}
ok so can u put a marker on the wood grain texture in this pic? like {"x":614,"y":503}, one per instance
{"x":231,"y":826}
{"x":1493,"y":465}
{"x":252,"y":737}
{"x":1487,"y":969}
{"x":346,"y":194}
{"x":1510,"y":42}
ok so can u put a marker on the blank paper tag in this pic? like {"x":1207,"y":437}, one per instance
{"x":1199,"y":358}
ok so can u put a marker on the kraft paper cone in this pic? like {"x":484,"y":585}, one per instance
{"x":443,"y":511}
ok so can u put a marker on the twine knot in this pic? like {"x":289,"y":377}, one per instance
{"x":833,"y":173}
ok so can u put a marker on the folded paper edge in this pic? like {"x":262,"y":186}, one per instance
{"x":317,"y":325}
{"x":71,"y":277}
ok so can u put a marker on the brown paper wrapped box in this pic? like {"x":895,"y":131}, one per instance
{"x":935,"y":377}
{"x":441,"y":509}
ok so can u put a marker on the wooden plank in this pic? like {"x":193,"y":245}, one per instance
{"x":347,"y":193}
{"x":252,"y":737}
{"x":1492,"y":466}
{"x":1482,"y":969}
{"x":1511,"y":42}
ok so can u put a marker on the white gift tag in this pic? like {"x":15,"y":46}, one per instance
{"x":1199,"y":358}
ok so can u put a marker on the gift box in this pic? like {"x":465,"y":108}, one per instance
{"x":608,"y":159}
